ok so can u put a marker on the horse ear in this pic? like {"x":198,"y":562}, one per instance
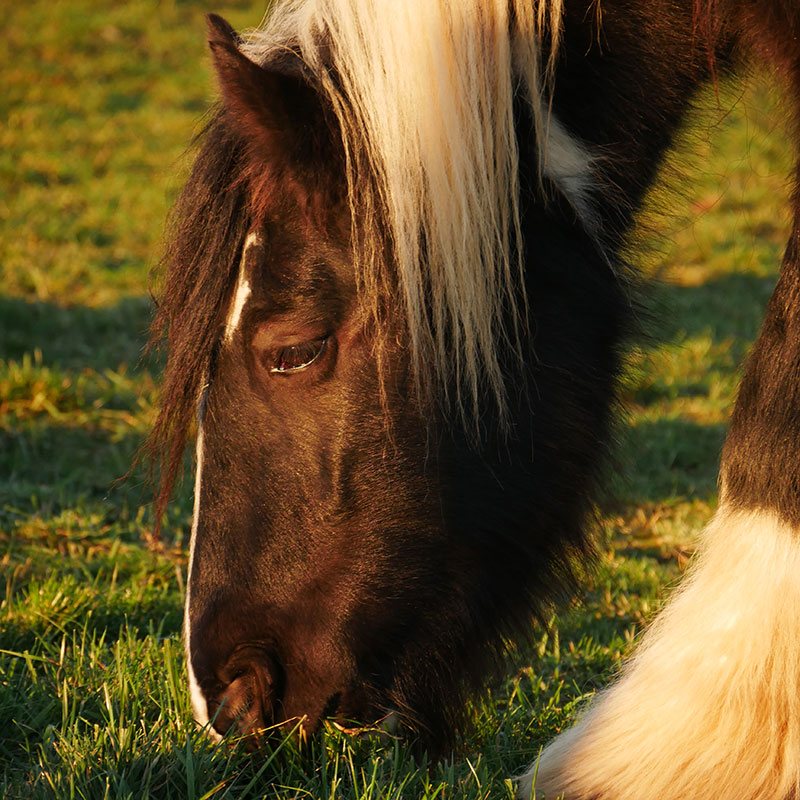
{"x":268,"y":108}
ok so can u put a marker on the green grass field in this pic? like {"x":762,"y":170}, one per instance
{"x":99,"y":101}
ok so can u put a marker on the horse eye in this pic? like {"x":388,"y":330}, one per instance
{"x":298,"y":357}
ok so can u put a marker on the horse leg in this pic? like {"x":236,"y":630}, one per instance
{"x":709,"y":705}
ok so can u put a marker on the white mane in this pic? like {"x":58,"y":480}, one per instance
{"x":423,"y":91}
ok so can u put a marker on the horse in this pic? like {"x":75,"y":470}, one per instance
{"x":397,"y":304}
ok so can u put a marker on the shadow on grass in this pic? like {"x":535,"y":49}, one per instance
{"x":674,"y":456}
{"x":75,"y":337}
{"x":729,"y":308}
{"x":669,"y":458}
{"x":48,"y":467}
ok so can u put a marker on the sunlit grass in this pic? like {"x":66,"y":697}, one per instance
{"x":100,"y":102}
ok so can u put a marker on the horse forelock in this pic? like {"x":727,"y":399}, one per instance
{"x":206,"y":232}
{"x":423,"y":96}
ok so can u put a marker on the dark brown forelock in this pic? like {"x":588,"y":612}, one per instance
{"x":206,"y":232}
{"x":231,"y":190}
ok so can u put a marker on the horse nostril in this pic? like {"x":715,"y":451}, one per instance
{"x":251,"y":680}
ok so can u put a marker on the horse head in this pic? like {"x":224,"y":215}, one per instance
{"x":359,"y":549}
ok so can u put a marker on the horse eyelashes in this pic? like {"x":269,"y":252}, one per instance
{"x":298,"y":357}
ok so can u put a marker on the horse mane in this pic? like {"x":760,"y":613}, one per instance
{"x":424,"y":97}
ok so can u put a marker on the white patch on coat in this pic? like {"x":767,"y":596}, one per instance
{"x":243,"y":290}
{"x":567,"y":162}
{"x":709,"y":705}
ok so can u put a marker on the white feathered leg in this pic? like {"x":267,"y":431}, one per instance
{"x":709,"y":706}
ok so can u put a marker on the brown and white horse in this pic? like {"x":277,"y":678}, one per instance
{"x":397,"y":306}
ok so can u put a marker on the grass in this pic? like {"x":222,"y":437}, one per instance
{"x":100,"y":100}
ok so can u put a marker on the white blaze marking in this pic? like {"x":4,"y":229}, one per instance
{"x":240,"y":298}
{"x":243,"y":290}
{"x":709,"y":705}
{"x":198,"y":701}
